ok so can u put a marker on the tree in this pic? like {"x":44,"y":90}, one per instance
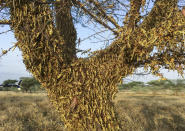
{"x":9,"y":82}
{"x":134,"y":83}
{"x":180,"y":83}
{"x":164,"y":83}
{"x":131,"y":85}
{"x":82,"y":89}
{"x":28,"y":83}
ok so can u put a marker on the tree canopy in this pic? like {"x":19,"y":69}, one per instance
{"x":28,"y":83}
{"x":9,"y":82}
{"x":82,"y":89}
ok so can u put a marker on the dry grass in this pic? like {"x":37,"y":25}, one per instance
{"x":137,"y":111}
{"x":27,"y":112}
{"x":151,"y":112}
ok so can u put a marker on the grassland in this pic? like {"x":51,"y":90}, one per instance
{"x":138,"y":111}
{"x":27,"y":112}
{"x":151,"y":111}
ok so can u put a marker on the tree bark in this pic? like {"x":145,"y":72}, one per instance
{"x":65,"y":26}
{"x":82,"y":80}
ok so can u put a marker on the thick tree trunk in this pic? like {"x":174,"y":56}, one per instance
{"x":79,"y":90}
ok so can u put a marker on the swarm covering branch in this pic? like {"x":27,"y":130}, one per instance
{"x":5,"y":22}
{"x":83,"y":89}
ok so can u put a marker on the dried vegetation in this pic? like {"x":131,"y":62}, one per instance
{"x":137,"y":112}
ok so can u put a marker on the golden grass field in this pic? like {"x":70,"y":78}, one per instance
{"x":151,"y":111}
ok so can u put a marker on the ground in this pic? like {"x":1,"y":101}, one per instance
{"x":138,"y":111}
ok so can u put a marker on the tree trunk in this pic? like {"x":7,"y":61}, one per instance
{"x":79,"y":90}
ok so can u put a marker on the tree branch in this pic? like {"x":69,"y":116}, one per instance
{"x":104,"y":14}
{"x":133,"y":14}
{"x":5,"y":32}
{"x":163,"y":35}
{"x":5,"y":22}
{"x":159,"y":12}
{"x":37,"y":35}
{"x":64,"y":24}
{"x":94,"y":17}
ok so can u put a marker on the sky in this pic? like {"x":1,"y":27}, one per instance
{"x":12,"y":66}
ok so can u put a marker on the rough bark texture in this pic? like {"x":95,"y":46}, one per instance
{"x":65,"y":26}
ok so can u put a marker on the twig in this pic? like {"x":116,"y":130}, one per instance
{"x":5,"y":32}
{"x":109,"y":18}
{"x":5,"y":22}
{"x":94,"y":17}
{"x":6,"y":51}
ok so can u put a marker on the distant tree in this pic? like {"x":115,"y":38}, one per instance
{"x":9,"y":82}
{"x":132,"y":84}
{"x":180,"y":83}
{"x":28,"y":83}
{"x":136,"y":83}
{"x":164,"y":83}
